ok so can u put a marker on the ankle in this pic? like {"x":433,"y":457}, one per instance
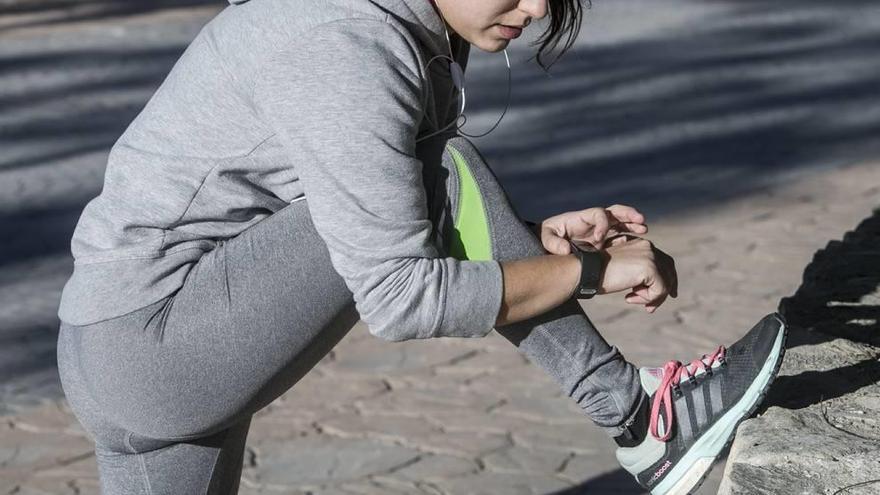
{"x":635,"y":428}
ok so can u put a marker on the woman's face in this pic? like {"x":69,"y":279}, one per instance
{"x":479,"y":21}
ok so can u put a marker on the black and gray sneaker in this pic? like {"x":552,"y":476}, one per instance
{"x":694,"y":409}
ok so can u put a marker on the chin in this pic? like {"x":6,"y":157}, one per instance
{"x":493,"y":45}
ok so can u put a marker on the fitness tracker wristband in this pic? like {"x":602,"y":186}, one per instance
{"x":592,"y":267}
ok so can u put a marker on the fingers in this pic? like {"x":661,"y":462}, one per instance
{"x":652,"y":293}
{"x":595,"y":219}
{"x":633,"y":228}
{"x":657,"y":293}
{"x":626,"y":213}
{"x":553,"y":242}
{"x":628,"y":217}
{"x":642,"y":295}
{"x":595,"y":225}
{"x":617,"y":240}
{"x":639,"y":295}
{"x":656,"y":276}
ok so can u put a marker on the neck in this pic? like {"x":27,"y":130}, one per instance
{"x":452,"y":34}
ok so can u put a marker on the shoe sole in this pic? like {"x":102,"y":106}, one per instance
{"x":691,"y":471}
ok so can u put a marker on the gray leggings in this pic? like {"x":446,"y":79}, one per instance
{"x":168,"y":391}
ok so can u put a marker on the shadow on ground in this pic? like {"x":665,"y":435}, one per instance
{"x":41,"y":13}
{"x":687,"y":120}
{"x":617,"y":482}
{"x":839,"y":298}
{"x":27,"y":367}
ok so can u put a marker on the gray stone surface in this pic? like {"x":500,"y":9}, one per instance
{"x":317,"y":460}
{"x":820,"y":432}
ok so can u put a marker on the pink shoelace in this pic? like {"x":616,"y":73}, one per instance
{"x":673,"y":373}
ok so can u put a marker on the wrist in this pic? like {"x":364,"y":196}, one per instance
{"x":573,"y":275}
{"x":606,"y":258}
{"x":592,"y":268}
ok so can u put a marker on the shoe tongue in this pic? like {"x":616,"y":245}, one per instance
{"x":651,"y":378}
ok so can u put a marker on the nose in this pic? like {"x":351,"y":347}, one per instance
{"x":535,"y":8}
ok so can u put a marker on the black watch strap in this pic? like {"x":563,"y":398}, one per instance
{"x":592,"y":266}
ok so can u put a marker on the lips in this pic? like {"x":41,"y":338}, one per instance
{"x":510,"y":32}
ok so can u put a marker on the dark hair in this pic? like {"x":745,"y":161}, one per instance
{"x":565,"y":17}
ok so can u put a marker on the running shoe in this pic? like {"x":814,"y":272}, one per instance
{"x":692,"y":410}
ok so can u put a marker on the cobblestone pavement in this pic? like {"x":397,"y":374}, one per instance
{"x":781,"y":166}
{"x":473,"y":416}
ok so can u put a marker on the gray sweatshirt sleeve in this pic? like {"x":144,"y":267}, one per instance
{"x":346,"y":102}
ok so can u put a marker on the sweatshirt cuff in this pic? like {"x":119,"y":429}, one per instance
{"x":474,"y":293}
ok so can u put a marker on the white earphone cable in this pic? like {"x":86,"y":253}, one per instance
{"x":506,"y":105}
{"x":458,"y":80}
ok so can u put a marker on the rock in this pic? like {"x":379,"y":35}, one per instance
{"x":820,"y":427}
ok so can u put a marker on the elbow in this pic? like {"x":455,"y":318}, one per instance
{"x":396,"y":324}
{"x":391,"y":334}
{"x":414,"y":301}
{"x":405,"y":304}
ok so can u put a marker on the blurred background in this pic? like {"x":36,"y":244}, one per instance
{"x":745,"y":130}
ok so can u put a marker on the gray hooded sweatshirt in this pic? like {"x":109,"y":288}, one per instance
{"x":276,"y":101}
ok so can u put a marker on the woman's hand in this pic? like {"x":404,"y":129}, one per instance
{"x":641,"y":268}
{"x":590,"y":226}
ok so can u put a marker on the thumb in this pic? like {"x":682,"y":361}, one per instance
{"x":555,"y":244}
